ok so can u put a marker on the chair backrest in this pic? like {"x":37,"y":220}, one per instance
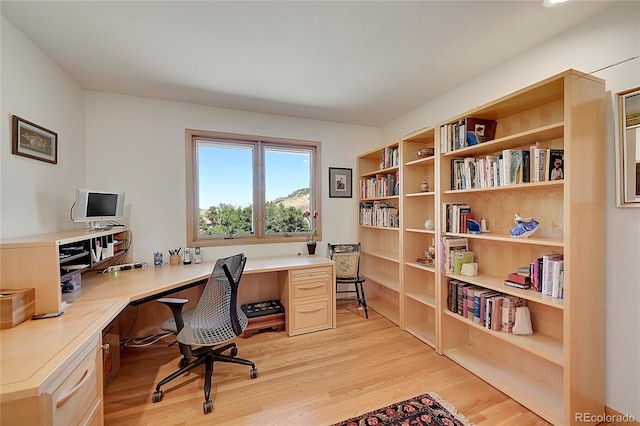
{"x":347,"y":259}
{"x":216,"y":318}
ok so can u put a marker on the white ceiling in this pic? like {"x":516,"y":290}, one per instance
{"x":353,"y":62}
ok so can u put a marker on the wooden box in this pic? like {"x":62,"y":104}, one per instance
{"x":16,"y":306}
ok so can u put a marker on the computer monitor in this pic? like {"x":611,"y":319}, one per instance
{"x":95,"y":206}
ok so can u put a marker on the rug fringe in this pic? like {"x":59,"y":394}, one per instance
{"x":452,"y":409}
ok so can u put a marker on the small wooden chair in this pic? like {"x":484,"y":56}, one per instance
{"x":347,"y":259}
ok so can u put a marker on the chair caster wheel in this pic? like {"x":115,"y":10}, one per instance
{"x":254,"y":373}
{"x":207,"y":407}
{"x":157,"y":396}
{"x":183,"y":362}
{"x":234,"y":351}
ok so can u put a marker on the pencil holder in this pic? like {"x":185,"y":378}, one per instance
{"x":174,"y":260}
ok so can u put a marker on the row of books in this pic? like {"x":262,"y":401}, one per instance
{"x":544,"y":274}
{"x":466,"y":132}
{"x":379,"y":214}
{"x":487,"y":308}
{"x":450,"y":248}
{"x":454,"y":217}
{"x":508,"y":167}
{"x":390,"y":157}
{"x":380,"y":185}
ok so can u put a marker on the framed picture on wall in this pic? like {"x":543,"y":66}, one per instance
{"x":33,"y":141}
{"x":339,"y":183}
{"x":628,"y":148}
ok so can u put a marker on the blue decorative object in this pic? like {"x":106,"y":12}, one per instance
{"x":472,"y":138}
{"x":473,"y":227}
{"x":524,"y":227}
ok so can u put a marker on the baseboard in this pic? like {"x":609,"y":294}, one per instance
{"x":618,"y":418}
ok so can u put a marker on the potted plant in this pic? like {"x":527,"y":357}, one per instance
{"x":311,"y":243}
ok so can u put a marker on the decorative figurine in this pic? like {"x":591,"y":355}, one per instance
{"x":525,"y":226}
{"x":424,"y":186}
{"x":473,"y":227}
{"x":429,"y":224}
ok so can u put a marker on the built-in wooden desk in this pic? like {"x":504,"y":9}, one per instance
{"x":51,"y":370}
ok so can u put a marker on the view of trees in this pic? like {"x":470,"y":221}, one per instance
{"x":282,"y":216}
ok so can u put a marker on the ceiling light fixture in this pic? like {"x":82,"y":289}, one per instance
{"x":551,"y":3}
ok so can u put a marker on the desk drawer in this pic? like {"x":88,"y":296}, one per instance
{"x":307,"y":317}
{"x":311,"y":274}
{"x":315,"y":288}
{"x":79,"y":393}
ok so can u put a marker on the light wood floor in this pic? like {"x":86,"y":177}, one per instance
{"x":314,"y":379}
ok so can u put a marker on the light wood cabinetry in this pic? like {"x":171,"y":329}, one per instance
{"x":308,"y":300}
{"x":378,"y":232}
{"x":558,"y":371}
{"x":45,"y":261}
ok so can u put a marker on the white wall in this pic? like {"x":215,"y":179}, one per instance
{"x":137,"y":145}
{"x":612,"y":37}
{"x":35,"y":197}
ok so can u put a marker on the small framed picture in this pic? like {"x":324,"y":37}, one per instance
{"x":33,"y":141}
{"x":339,"y":183}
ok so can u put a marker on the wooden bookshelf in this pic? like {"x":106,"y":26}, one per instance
{"x":559,"y":370}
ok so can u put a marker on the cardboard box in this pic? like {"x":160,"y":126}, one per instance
{"x":16,"y":306}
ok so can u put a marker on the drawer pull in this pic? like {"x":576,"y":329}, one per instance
{"x":87,"y":374}
{"x":106,"y":348}
{"x":308,"y":311}
{"x":309,"y":287}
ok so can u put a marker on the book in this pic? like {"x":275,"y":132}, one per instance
{"x":460,"y":258}
{"x":508,"y":312}
{"x":546,"y":274}
{"x":453,"y":245}
{"x":556,"y":164}
{"x":520,"y":279}
{"x":496,"y":313}
{"x":483,"y":306}
{"x":557,"y":268}
{"x":517,"y":285}
{"x":477,"y":304}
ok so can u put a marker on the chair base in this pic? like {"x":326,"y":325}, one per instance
{"x":206,"y":356}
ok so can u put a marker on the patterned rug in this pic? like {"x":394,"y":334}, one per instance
{"x":427,"y":409}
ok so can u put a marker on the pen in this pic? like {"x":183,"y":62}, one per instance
{"x":178,"y":252}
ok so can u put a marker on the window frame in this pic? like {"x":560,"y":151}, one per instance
{"x":259,"y":236}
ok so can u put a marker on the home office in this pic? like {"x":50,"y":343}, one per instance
{"x":106,"y":137}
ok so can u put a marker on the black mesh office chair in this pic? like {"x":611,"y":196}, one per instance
{"x":215,"y":320}
{"x":347,"y":259}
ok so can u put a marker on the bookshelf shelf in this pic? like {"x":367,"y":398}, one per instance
{"x":559,"y":369}
{"x":541,"y":398}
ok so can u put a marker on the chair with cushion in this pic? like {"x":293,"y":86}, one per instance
{"x":205,"y":331}
{"x":348,"y":279}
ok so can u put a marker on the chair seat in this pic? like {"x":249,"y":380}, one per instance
{"x":170,"y":324}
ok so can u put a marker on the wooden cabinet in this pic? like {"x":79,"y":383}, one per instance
{"x":557,"y":371}
{"x":45,"y":261}
{"x":309,"y":300}
{"x":378,"y":231}
{"x":418,"y":212}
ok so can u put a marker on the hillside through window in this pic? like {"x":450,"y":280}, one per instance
{"x":247,"y":190}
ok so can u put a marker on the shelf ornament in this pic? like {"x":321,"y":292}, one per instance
{"x":525,"y":227}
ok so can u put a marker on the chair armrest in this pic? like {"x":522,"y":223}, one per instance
{"x":170,"y":300}
{"x":176,"y":306}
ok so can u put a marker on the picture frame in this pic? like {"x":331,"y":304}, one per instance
{"x":628,"y":148}
{"x":34,"y":141}
{"x":340,"y":185}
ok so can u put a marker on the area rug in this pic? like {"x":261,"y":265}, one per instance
{"x":427,"y":409}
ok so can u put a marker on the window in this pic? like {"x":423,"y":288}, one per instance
{"x":245,"y":189}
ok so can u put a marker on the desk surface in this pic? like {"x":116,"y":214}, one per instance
{"x":33,"y":350}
